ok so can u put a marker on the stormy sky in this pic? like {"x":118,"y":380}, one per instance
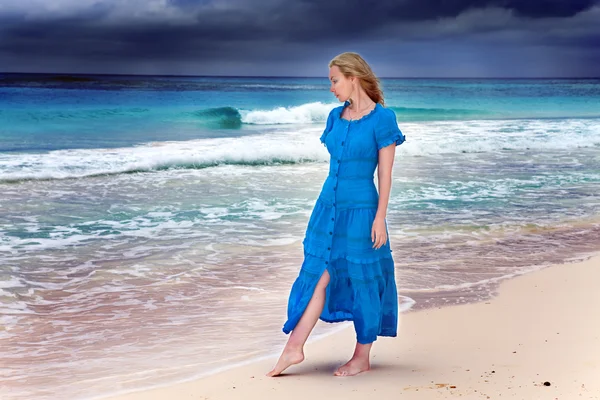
{"x":399,"y":38}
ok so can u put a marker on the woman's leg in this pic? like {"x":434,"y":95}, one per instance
{"x":293,"y":353}
{"x":358,"y":363}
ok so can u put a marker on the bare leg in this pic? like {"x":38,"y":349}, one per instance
{"x":293,"y":353}
{"x":358,"y":363}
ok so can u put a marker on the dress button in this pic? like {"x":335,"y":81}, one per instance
{"x":332,"y":219}
{"x":339,"y":161}
{"x":326,"y":262}
{"x":342,"y":143}
{"x":331,"y":233}
{"x":329,"y":248}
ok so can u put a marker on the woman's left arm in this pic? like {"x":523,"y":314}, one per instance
{"x":384,"y":176}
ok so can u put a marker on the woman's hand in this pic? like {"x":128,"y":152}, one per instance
{"x":378,"y":232}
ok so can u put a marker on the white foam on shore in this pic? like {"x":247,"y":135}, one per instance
{"x":12,"y":282}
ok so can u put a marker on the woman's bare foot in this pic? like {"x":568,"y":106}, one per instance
{"x":287,"y":358}
{"x":353,"y":367}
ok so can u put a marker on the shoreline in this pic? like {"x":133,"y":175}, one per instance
{"x":538,"y":328}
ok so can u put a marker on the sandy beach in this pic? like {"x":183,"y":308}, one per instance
{"x":539,"y":338}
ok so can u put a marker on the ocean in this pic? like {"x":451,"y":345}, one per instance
{"x":151,"y":227}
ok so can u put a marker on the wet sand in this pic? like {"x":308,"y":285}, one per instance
{"x":539,"y":338}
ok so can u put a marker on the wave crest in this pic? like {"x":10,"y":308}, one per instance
{"x":272,"y":149}
{"x":304,"y":114}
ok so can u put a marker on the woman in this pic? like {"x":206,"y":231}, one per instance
{"x":348,"y":270}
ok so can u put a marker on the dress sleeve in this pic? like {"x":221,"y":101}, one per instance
{"x":387,"y":131}
{"x":328,"y":126}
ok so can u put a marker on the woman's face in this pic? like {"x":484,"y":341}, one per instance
{"x":341,"y":86}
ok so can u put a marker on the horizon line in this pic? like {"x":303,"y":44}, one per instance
{"x":289,"y":76}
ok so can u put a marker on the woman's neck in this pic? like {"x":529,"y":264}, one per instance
{"x":361,"y":102}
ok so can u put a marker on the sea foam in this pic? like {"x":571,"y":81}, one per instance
{"x":299,"y":145}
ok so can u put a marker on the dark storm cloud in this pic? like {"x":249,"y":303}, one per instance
{"x":429,"y":9}
{"x":342,"y":18}
{"x":270,"y":30}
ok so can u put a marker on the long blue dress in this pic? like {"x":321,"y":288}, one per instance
{"x":362,"y":288}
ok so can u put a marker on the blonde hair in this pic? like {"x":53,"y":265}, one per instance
{"x":352,"y":64}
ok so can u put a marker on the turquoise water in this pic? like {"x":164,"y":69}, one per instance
{"x":148,"y":220}
{"x":39,"y":114}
